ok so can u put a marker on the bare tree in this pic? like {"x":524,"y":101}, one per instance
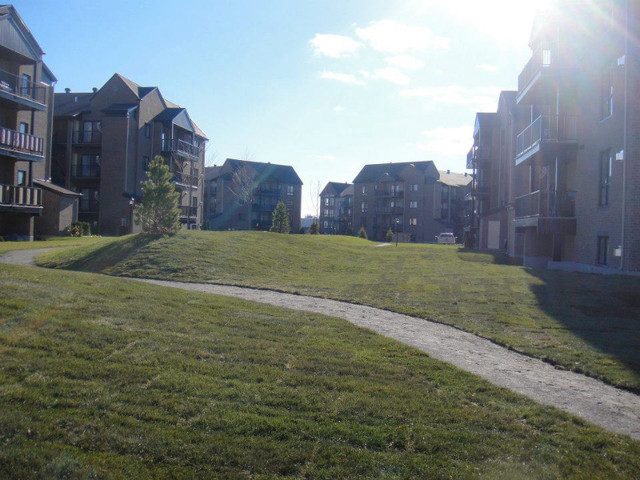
{"x":315,"y":188}
{"x":242,"y":184}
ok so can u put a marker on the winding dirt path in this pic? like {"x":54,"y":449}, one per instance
{"x":613,"y":409}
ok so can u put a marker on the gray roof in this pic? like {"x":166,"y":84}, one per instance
{"x":347,"y":191}
{"x":52,"y":187}
{"x":70,"y":104}
{"x":334,"y":187}
{"x":389,"y":171}
{"x":454,"y":179}
{"x":266,"y":172}
{"x":211,"y":173}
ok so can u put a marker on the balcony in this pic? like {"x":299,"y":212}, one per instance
{"x":21,"y":92}
{"x":551,"y":212}
{"x":479,"y":190}
{"x":389,"y":193}
{"x":188,"y":212}
{"x":22,"y":199}
{"x":21,"y":146}
{"x":87,"y":137}
{"x":268,"y":191}
{"x":534,"y":81}
{"x":184,"y":180}
{"x":85,"y":171}
{"x":263,"y":207}
{"x":547,"y":133}
{"x":181,"y":147}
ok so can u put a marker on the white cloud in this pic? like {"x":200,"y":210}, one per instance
{"x":334,"y":46}
{"x":341,"y":77}
{"x":476,"y":98}
{"x":393,"y":37}
{"x":338,"y":108}
{"x":408,"y":62}
{"x":392,"y":75}
{"x":487,"y":67}
{"x":447,"y":140}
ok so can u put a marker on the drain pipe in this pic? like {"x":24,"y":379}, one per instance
{"x":625,"y":152}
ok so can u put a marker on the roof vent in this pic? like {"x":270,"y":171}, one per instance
{"x":67,"y":90}
{"x":94,"y":89}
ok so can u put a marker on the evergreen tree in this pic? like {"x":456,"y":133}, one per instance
{"x":158,"y":212}
{"x":314,"y":229}
{"x":280,"y":222}
{"x":362,"y":233}
{"x":389,"y":236}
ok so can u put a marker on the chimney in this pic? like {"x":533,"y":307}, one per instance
{"x":67,"y":90}
{"x":94,"y":89}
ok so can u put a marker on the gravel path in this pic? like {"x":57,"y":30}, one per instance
{"x":613,"y":409}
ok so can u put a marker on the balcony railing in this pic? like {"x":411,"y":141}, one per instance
{"x":540,"y":61}
{"x":554,"y":128}
{"x":87,"y":137}
{"x":389,"y":193}
{"x":20,"y":196}
{"x":20,"y":142}
{"x":180,"y":147}
{"x":184,"y":179}
{"x":263,"y":207}
{"x":186,"y":211}
{"x":268,"y":191}
{"x":546,"y":204}
{"x":16,"y":85}
{"x":91,"y":170}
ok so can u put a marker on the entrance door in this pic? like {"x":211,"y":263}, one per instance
{"x":493,"y":235}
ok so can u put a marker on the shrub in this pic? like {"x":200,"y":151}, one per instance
{"x":389,"y":236}
{"x":349,"y":231}
{"x":362,"y":233}
{"x":314,"y":229}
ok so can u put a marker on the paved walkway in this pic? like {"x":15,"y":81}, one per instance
{"x":613,"y":409}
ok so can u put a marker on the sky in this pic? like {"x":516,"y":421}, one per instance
{"x":325,"y":86}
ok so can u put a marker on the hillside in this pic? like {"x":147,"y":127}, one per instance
{"x":582,"y":322}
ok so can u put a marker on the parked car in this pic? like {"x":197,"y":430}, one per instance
{"x":446,"y":238}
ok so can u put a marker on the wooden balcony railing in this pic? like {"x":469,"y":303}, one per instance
{"x":20,"y":142}
{"x":20,"y":196}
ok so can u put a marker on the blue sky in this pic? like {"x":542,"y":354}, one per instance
{"x":325,"y":86}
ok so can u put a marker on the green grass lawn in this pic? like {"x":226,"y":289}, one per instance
{"x":101,"y":377}
{"x":585,"y":323}
{"x":53,"y":242}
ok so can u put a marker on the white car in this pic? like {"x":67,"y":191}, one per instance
{"x":446,"y":238}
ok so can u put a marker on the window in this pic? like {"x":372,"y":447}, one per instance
{"x":145,"y":163}
{"x":194,"y":202}
{"x":605,"y":177}
{"x":364,"y":189}
{"x":603,"y":243}
{"x":413,"y":221}
{"x":413,"y":187}
{"x":606,"y":93}
{"x":147,"y":130}
{"x":546,"y":58}
{"x":22,"y":177}
{"x":325,"y":224}
{"x":89,"y":200}
{"x":85,"y":165}
{"x":413,"y":204}
{"x":24,"y":127}
{"x":290,"y":190}
{"x":364,"y":207}
{"x":25,"y":87}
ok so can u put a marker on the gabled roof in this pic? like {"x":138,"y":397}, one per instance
{"x":454,"y":179}
{"x":388,"y":172}
{"x":171,"y":114}
{"x":118,"y":108}
{"x":265,"y":172}
{"x":8,"y":12}
{"x":347,"y":191}
{"x":71,"y":104}
{"x":334,"y":188}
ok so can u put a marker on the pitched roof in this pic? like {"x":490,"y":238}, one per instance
{"x":347,"y":191}
{"x":266,"y":172}
{"x":454,"y":179}
{"x":336,"y":187}
{"x":70,"y":104}
{"x":52,"y":187}
{"x":389,"y":171}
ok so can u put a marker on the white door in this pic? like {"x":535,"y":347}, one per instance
{"x":493,"y":235}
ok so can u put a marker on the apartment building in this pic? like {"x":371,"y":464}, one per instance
{"x":336,"y":209}
{"x":242,"y":195}
{"x":104,"y":140}
{"x":453,"y":189}
{"x":406,"y":198}
{"x":26,"y":98}
{"x":571,"y":195}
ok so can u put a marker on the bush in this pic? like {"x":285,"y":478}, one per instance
{"x":314,"y":229}
{"x":389,"y":236}
{"x":80,"y":229}
{"x":362,"y":233}
{"x":301,"y":231}
{"x":349,"y":231}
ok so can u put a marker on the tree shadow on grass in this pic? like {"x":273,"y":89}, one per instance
{"x":109,"y":255}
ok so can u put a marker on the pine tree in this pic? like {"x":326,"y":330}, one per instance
{"x":362,"y":233}
{"x":158,"y":212}
{"x":314,"y":229}
{"x":280,"y":222}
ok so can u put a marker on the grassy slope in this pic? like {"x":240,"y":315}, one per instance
{"x":53,"y":242}
{"x":101,"y":377}
{"x":582,"y":322}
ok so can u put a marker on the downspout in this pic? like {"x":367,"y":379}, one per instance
{"x":624,"y":133}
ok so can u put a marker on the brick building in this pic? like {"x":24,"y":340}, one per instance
{"x":102,"y":144}
{"x":242,"y":195}
{"x":336,"y":209}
